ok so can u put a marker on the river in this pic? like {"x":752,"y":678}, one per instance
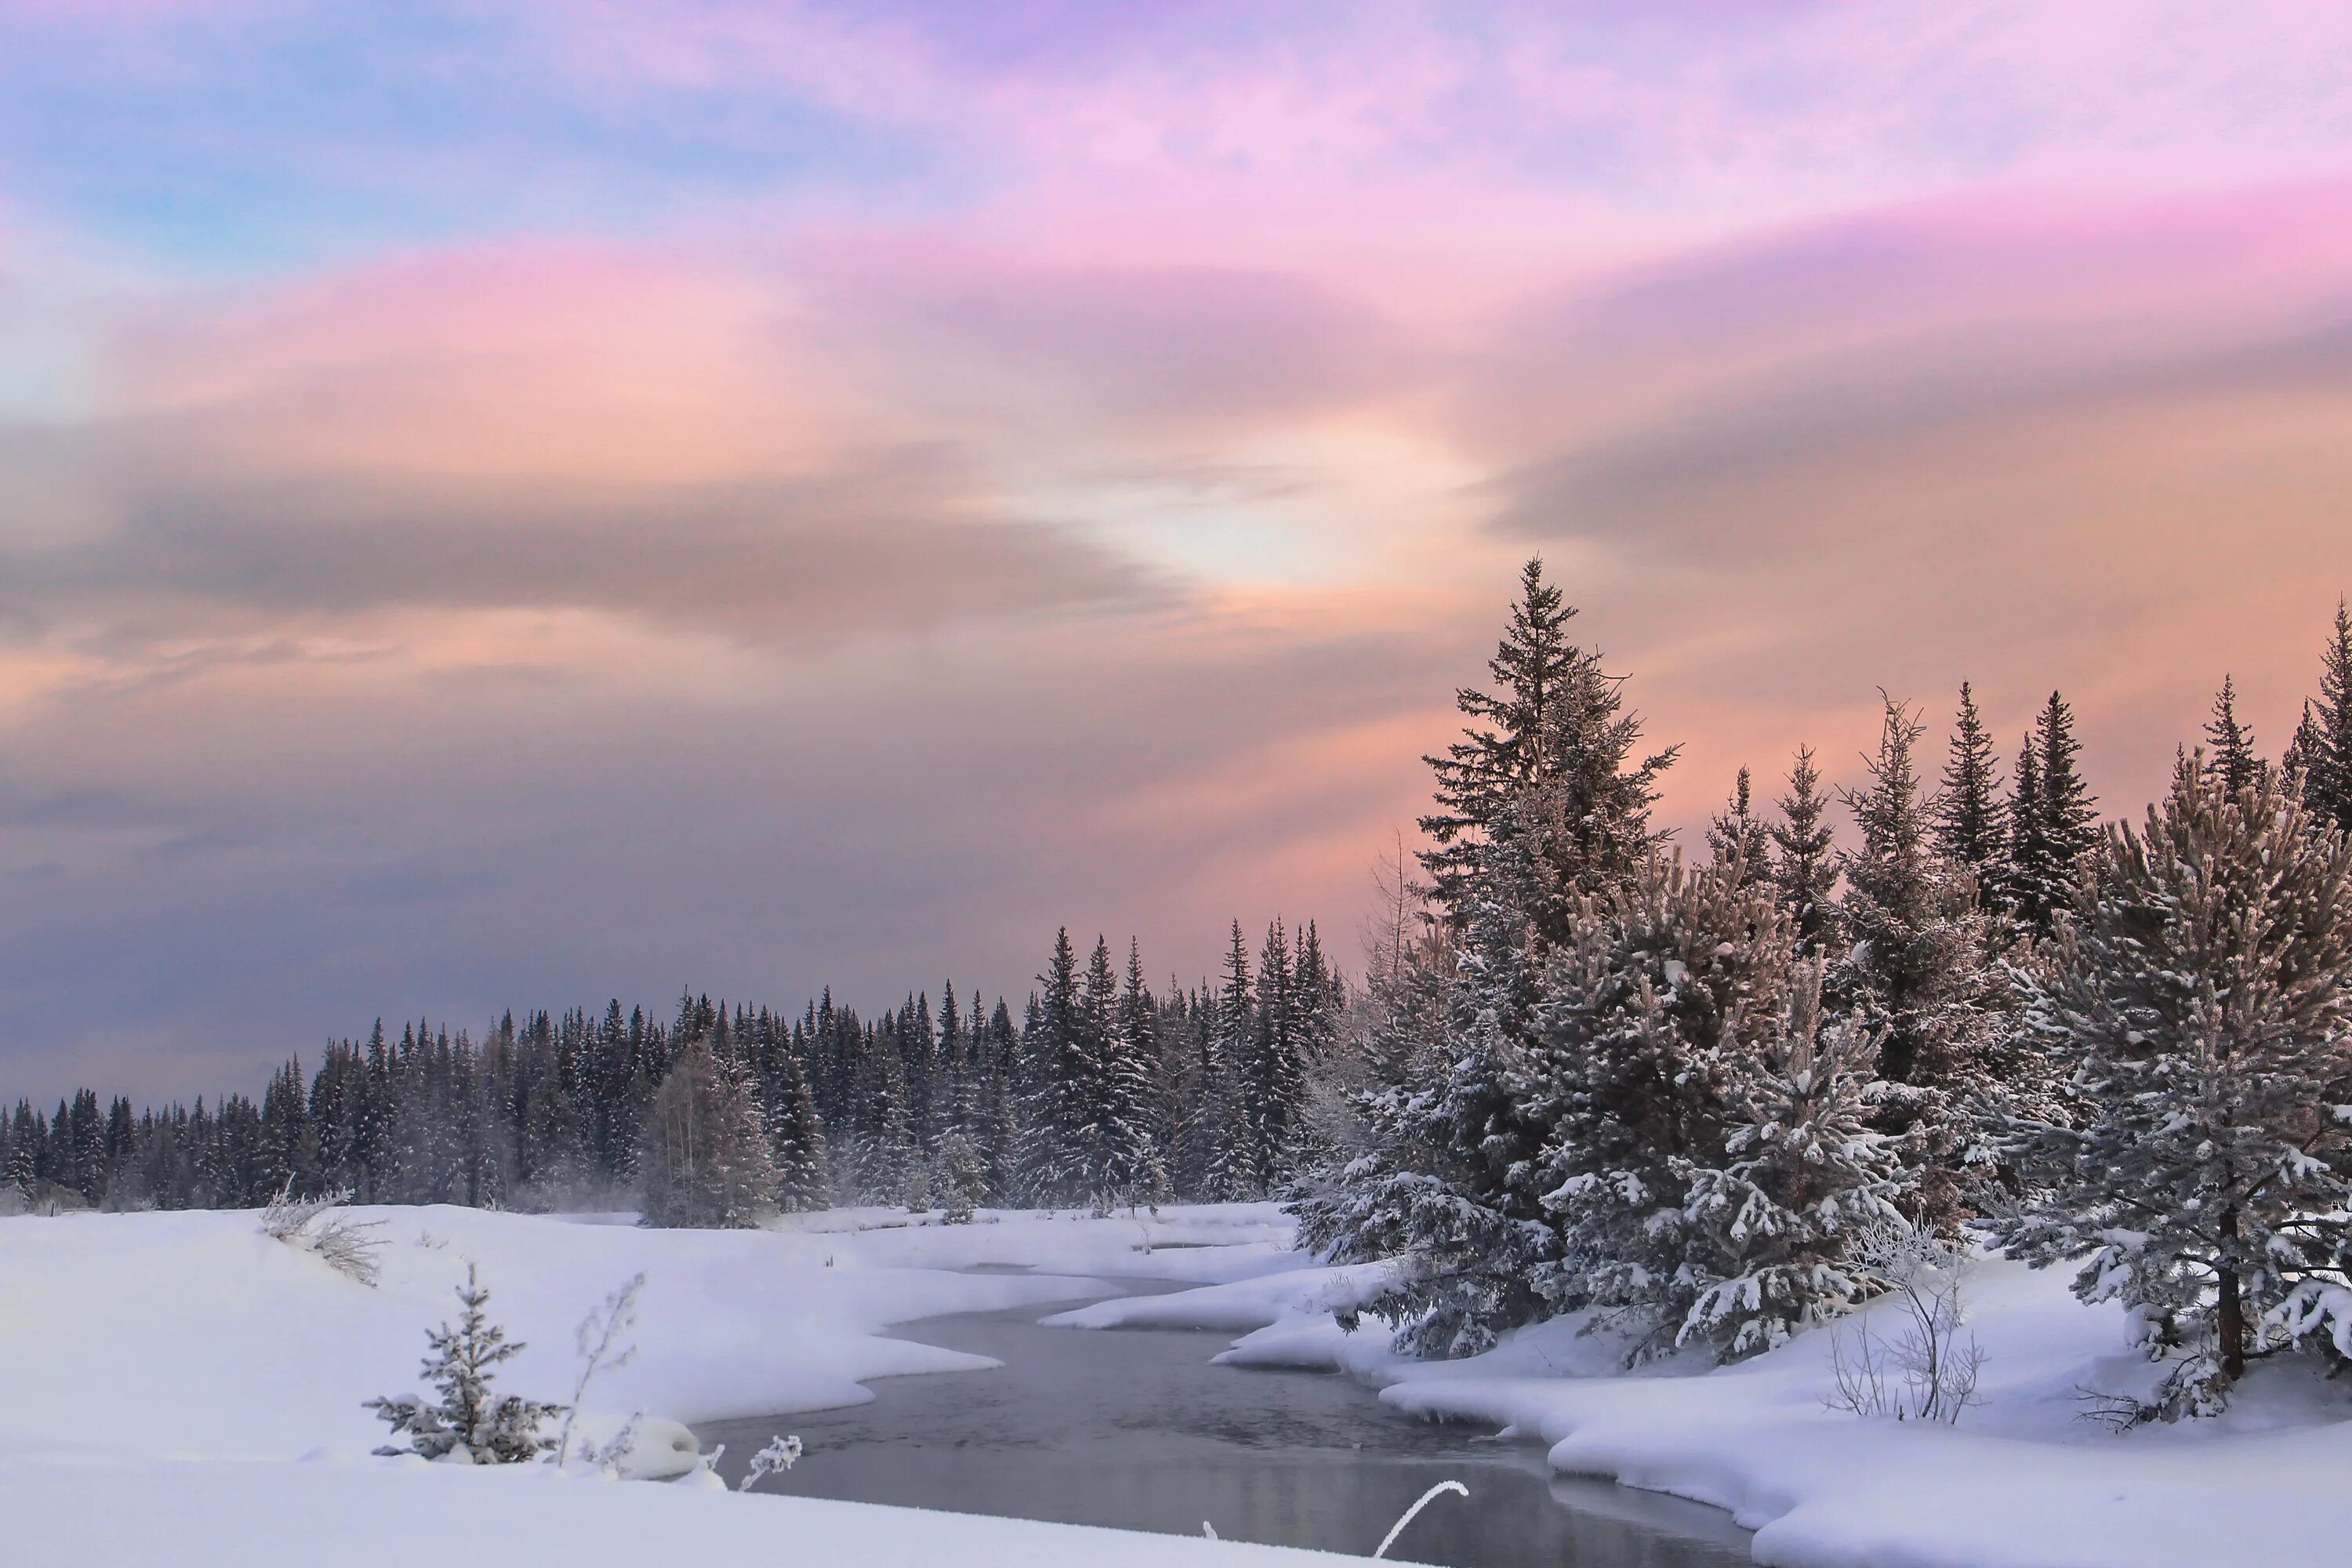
{"x":1133,"y":1429}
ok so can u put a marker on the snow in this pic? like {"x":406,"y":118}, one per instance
{"x":2024,"y":1482}
{"x":179,"y":1387}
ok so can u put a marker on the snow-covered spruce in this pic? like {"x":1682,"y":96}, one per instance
{"x":466,"y":1423}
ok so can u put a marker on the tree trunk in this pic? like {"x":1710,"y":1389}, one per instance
{"x":2230,"y":1318}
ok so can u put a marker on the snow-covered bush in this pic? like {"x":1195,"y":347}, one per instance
{"x":780,"y":1454}
{"x":347,"y":1246}
{"x":598,"y":1337}
{"x":961,"y":1179}
{"x":1926,"y":1370}
{"x":465,"y":1424}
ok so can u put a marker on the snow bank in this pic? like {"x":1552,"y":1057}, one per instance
{"x":2024,"y":1483}
{"x":187,"y":1362}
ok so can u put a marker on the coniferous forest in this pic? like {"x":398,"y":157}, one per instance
{"x":1105,"y":1091}
{"x":1696,"y":1088}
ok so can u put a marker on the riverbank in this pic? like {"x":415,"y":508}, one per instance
{"x":179,"y":1387}
{"x":2025,"y":1480}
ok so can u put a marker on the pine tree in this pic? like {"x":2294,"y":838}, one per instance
{"x":1737,"y":836}
{"x":1971,"y":827}
{"x":2203,"y":991}
{"x":2233,"y":763}
{"x":1804,"y":869}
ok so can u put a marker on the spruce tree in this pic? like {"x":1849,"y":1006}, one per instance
{"x":1555,"y":724}
{"x":1737,"y":836}
{"x":1970,"y":829}
{"x":2201,"y":996}
{"x":1054,"y":1126}
{"x":2055,"y":829}
{"x":2233,"y":762}
{"x":1804,"y":865}
{"x":1232,"y":1131}
{"x":1129,"y":1164}
{"x":467,"y":1421}
{"x":2328,"y":760}
{"x":1915,"y":975}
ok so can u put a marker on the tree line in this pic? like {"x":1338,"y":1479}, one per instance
{"x":1106,"y":1090}
{"x":1690,"y":1097}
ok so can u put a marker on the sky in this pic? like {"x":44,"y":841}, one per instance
{"x":516,"y":504}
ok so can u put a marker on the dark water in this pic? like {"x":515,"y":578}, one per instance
{"x":1133,"y":1429}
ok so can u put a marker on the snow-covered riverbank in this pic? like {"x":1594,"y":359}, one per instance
{"x":179,"y":1387}
{"x":2024,"y":1482}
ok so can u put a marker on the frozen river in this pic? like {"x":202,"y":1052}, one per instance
{"x":1133,"y":1429}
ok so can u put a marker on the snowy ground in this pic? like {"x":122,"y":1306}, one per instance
{"x":181,"y":1388}
{"x":2024,"y":1482}
{"x":178,"y":1387}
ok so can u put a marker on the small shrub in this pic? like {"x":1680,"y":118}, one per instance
{"x":347,"y":1246}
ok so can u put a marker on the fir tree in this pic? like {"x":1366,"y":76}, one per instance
{"x":2202,"y":993}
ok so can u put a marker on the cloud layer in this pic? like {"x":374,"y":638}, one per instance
{"x":514,"y":505}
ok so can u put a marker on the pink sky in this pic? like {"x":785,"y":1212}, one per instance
{"x":508,"y":506}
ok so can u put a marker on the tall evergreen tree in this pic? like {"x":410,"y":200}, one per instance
{"x":2201,"y":996}
{"x":2233,"y":763}
{"x":1804,"y":865}
{"x":1054,"y":1166}
{"x":2327,"y":761}
{"x":1916,"y":975}
{"x":1553,"y":726}
{"x":2055,"y":826}
{"x":1738,"y":836}
{"x":1971,"y":827}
